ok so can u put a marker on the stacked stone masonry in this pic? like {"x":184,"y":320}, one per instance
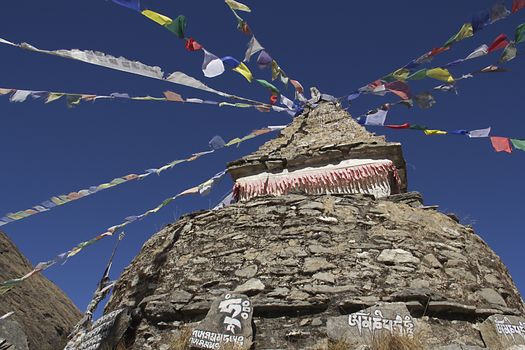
{"x":306,"y":260}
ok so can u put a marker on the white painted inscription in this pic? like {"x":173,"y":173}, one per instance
{"x":505,"y":327}
{"x":374,"y":321}
{"x":235,"y":308}
{"x":212,"y":340}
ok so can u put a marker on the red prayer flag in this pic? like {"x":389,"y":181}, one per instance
{"x":297,"y":85}
{"x":402,"y":126}
{"x":400,"y":89}
{"x":501,"y":144}
{"x":192,"y":45}
{"x":517,"y":5}
{"x":499,"y":43}
{"x":436,"y":51}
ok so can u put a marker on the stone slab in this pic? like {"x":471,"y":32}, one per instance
{"x":501,"y":332}
{"x":381,"y":319}
{"x":229,"y":320}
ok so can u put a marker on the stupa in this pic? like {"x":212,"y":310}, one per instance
{"x":323,"y":246}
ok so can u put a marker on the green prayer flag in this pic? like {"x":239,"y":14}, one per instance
{"x":520,"y":33}
{"x":418,"y":127}
{"x":420,"y":74}
{"x":519,"y":144}
{"x":268,"y":85}
{"x":177,"y":27}
{"x":466,"y":31}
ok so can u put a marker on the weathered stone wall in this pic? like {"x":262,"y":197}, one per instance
{"x":305,"y":259}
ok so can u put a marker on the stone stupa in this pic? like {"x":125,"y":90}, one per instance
{"x":323,"y":245}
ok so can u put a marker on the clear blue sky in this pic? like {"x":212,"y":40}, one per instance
{"x":335,"y":45}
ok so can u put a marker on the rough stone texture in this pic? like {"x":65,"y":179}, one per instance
{"x":13,"y":334}
{"x":229,"y":321}
{"x":303,"y":268}
{"x":362,"y":327}
{"x":44,"y":312}
{"x":304,"y":143}
{"x":503,"y":332}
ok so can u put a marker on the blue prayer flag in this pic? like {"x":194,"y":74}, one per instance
{"x":131,"y":4}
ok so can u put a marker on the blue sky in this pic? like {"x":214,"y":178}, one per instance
{"x":335,"y":45}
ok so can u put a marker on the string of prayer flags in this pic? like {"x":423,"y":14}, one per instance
{"x":203,"y":189}
{"x":517,"y":5}
{"x":63,"y":199}
{"x":133,"y":67}
{"x":501,"y":144}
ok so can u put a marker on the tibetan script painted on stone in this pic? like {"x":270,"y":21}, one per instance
{"x":228,"y":321}
{"x":503,"y":331}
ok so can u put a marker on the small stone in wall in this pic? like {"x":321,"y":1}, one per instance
{"x":503,"y":331}
{"x":229,"y":321}
{"x":397,"y":256}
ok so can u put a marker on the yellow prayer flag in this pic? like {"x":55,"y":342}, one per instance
{"x":235,"y":5}
{"x":53,"y":97}
{"x":435,"y":132}
{"x":233,"y":142}
{"x":401,"y":74}
{"x":440,"y":74}
{"x":465,"y":32}
{"x":5,"y":91}
{"x":244,"y":71}
{"x":157,"y":17}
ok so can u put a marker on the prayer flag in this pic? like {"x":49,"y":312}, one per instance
{"x":297,"y":85}
{"x":517,"y":5}
{"x":53,"y":97}
{"x":268,"y":85}
{"x":499,"y":43}
{"x":212,"y":65}
{"x":177,"y":27}
{"x":479,"y":133}
{"x":424,"y":100}
{"x":492,"y":69}
{"x":353,"y":96}
{"x":466,"y":31}
{"x":192,"y":45}
{"x":235,"y":5}
{"x":458,"y":132}
{"x":399,"y":88}
{"x":435,"y":132}
{"x":501,"y":144}
{"x":480,"y":51}
{"x":73,"y":100}
{"x":217,"y":143}
{"x":420,"y":74}
{"x":401,"y":74}
{"x":131,"y":4}
{"x":264,"y":60}
{"x":480,"y":20}
{"x":157,"y":17}
{"x":173,"y":96}
{"x":436,"y":51}
{"x":509,"y":53}
{"x":520,"y":34}
{"x":253,"y":47}
{"x":230,"y":61}
{"x":276,"y":70}
{"x":440,"y":74}
{"x":243,"y":70}
{"x":5,"y":91}
{"x":417,"y":127}
{"x":519,"y":144}
{"x":402,"y":126}
{"x":20,"y":95}
{"x":377,"y":118}
{"x":498,"y":12}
